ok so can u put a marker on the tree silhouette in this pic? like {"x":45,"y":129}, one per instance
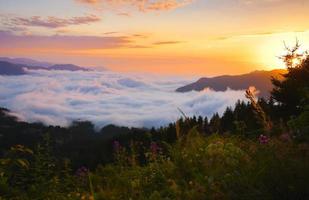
{"x":291,"y":93}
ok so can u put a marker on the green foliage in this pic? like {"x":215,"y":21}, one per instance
{"x":196,"y":166}
{"x":25,"y":174}
{"x":300,"y":125}
{"x":212,"y":168}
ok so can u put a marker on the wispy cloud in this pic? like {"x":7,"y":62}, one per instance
{"x":167,"y":42}
{"x":140,"y":35}
{"x":140,"y":46}
{"x":108,"y":40}
{"x":141,"y":5}
{"x":9,"y":40}
{"x":51,"y":22}
{"x":257,"y":34}
{"x":124,"y":14}
{"x":110,"y":33}
{"x":88,"y":1}
{"x":261,"y":1}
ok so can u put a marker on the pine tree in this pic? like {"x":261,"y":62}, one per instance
{"x":227,"y":120}
{"x":215,"y":124}
{"x":291,"y":92}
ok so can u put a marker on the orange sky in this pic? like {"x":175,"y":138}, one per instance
{"x":194,"y":37}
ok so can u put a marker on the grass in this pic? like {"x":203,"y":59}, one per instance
{"x":195,"y":167}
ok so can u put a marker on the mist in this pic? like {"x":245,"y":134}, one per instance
{"x":105,"y":97}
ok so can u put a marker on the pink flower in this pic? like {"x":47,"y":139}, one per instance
{"x":263,"y":139}
{"x":154,"y":148}
{"x":285,"y":137}
{"x":116,"y":146}
{"x":82,"y":172}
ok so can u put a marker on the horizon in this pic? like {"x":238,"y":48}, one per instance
{"x":100,"y":68}
{"x":173,"y":37}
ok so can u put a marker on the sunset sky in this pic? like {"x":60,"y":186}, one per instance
{"x":194,"y":37}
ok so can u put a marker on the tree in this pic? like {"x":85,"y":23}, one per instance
{"x":291,"y":93}
{"x":206,"y":125}
{"x":215,"y":123}
{"x":300,"y":125}
{"x":200,"y":123}
{"x":227,"y":120}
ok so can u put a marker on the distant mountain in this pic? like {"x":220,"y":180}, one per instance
{"x":26,"y":61}
{"x":67,"y":67}
{"x":259,"y":79}
{"x":7,"y":68}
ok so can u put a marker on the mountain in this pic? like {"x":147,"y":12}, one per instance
{"x":26,"y":61}
{"x":7,"y":68}
{"x":12,"y":68}
{"x":67,"y":67}
{"x":259,"y":79}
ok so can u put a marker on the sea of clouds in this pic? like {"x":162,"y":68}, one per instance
{"x":105,"y":97}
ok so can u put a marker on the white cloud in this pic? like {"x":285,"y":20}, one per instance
{"x":138,"y":100}
{"x":144,"y":5}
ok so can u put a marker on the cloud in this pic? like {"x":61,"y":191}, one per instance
{"x":124,"y":14}
{"x":9,"y":40}
{"x":258,"y":34}
{"x":141,"y":5}
{"x":167,"y":42}
{"x":260,"y":1}
{"x":108,"y":40}
{"x":110,"y":33}
{"x":138,"y":100}
{"x":51,"y":22}
{"x":88,"y":1}
{"x":166,"y":5}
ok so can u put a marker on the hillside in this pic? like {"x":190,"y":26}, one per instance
{"x":12,"y":68}
{"x":260,"y":79}
{"x":67,"y":67}
{"x":26,"y":61}
{"x":7,"y":68}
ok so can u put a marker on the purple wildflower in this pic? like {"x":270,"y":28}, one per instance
{"x":154,"y":148}
{"x":116,"y":146}
{"x":285,"y":137}
{"x":82,"y":172}
{"x":263,"y":139}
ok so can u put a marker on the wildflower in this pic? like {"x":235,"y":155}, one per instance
{"x":116,"y":146}
{"x":285,"y":137}
{"x":82,"y":172}
{"x":154,"y":148}
{"x":263,"y":139}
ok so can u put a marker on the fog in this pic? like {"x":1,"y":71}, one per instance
{"x":105,"y":97}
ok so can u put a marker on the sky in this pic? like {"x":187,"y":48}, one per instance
{"x":187,"y":37}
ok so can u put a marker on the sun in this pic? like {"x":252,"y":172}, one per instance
{"x":296,"y":62}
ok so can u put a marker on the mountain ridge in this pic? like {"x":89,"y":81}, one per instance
{"x":261,"y":79}
{"x":26,"y":61}
{"x":8,"y":68}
